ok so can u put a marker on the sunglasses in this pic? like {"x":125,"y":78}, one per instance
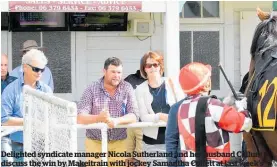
{"x":36,"y":69}
{"x":151,"y":65}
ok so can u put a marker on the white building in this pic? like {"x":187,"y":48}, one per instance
{"x":217,"y":32}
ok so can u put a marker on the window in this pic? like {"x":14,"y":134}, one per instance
{"x":201,"y":11}
{"x":202,"y":46}
{"x":57,"y":47}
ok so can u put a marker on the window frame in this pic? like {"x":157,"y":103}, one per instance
{"x":67,"y":96}
{"x":219,"y":19}
{"x":220,"y":29}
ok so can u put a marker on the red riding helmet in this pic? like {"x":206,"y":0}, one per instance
{"x":193,"y":77}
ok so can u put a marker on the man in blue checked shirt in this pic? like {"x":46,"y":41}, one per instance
{"x":33,"y":65}
{"x":47,"y":77}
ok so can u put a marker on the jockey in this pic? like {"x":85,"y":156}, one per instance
{"x":219,"y":119}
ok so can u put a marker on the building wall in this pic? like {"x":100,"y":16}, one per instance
{"x":93,"y":48}
{"x":232,"y":34}
{"x":4,"y":39}
{"x":87,"y":52}
{"x":232,"y":47}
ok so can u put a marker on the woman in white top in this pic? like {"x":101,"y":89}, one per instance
{"x":154,"y":97}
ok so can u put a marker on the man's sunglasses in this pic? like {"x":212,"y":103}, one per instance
{"x":36,"y":69}
{"x":150,"y":65}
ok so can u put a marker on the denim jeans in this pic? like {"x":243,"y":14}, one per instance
{"x":7,"y":145}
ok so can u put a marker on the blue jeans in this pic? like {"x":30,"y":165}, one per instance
{"x":7,"y":146}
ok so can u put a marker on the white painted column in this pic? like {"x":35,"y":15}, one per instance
{"x":171,"y":39}
{"x":4,"y":6}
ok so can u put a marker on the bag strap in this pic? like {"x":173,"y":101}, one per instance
{"x":172,"y":87}
{"x":200,"y":132}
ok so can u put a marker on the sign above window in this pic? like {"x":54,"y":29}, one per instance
{"x":75,"y":6}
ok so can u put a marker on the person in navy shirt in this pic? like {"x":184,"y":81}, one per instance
{"x":6,"y":79}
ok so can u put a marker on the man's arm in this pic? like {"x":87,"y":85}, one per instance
{"x":8,"y":98}
{"x":13,"y":121}
{"x":86,"y":119}
{"x":84,"y":108}
{"x":90,"y":119}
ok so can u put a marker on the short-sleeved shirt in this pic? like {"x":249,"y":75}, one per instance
{"x":123,"y":102}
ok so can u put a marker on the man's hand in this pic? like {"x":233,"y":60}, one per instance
{"x":104,"y":116}
{"x":230,"y":99}
{"x":112,"y":122}
{"x":241,"y":104}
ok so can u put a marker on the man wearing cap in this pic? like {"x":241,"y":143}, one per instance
{"x":46,"y":75}
{"x":33,"y":64}
{"x":199,"y":124}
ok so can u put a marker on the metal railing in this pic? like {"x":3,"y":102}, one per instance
{"x":6,"y":130}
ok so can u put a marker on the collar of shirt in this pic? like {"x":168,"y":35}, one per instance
{"x":7,"y":77}
{"x":193,"y":96}
{"x":21,"y":69}
{"x":21,"y":78}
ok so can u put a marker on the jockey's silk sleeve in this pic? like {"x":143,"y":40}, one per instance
{"x":228,"y":118}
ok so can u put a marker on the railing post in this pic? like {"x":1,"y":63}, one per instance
{"x":46,"y":130}
{"x":104,"y":133}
